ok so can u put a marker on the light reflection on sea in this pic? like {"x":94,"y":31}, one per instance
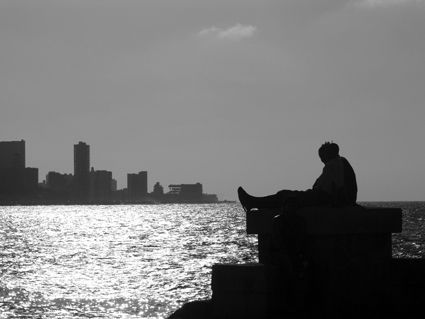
{"x":410,"y":243}
{"x":114,"y":261}
{"x":131,"y":261}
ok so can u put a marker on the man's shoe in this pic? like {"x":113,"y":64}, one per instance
{"x":244,"y":198}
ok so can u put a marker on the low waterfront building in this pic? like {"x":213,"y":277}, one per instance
{"x":191,"y":191}
{"x":158,"y":190}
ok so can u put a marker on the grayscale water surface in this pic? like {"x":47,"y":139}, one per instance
{"x":130,"y":261}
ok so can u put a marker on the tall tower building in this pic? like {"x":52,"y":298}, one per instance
{"x":12,"y":167}
{"x":82,"y":171}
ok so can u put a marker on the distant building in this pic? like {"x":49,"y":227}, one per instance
{"x":114,"y":185}
{"x":30,"y":179}
{"x":15,"y":179}
{"x":12,"y":155}
{"x":100,"y":185}
{"x":81,"y":183}
{"x":59,"y":183}
{"x":158,"y":190}
{"x":137,"y":185}
{"x":186,"y":191}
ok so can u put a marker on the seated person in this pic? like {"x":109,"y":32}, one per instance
{"x":335,"y":186}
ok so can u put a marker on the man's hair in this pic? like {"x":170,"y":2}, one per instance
{"x":329,"y":150}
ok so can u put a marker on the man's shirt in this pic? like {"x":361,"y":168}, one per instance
{"x":338,"y":180}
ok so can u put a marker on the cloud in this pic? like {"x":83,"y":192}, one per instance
{"x":387,"y":3}
{"x":236,"y":32}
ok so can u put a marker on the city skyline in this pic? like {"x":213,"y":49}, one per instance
{"x":22,"y":184}
{"x":228,"y":92}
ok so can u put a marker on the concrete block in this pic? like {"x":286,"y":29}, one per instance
{"x":239,"y":278}
{"x":242,"y":290}
{"x":243,"y":305}
{"x":407,"y":285}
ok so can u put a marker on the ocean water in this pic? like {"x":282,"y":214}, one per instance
{"x":131,"y":261}
{"x":410,"y":243}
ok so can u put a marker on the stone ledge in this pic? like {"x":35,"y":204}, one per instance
{"x":332,"y":220}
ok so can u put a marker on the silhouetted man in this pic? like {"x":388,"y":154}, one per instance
{"x":335,"y":186}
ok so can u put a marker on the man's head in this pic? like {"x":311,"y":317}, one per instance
{"x":328,"y":151}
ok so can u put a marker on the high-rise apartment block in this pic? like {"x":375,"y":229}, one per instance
{"x":81,"y":182}
{"x":12,"y":154}
{"x":15,"y":178}
{"x":137,"y":185}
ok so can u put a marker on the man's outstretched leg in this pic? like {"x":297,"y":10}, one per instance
{"x":272,"y":201}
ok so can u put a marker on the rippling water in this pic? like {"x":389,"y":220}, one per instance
{"x":411,"y":241}
{"x":130,"y":261}
{"x":114,"y":261}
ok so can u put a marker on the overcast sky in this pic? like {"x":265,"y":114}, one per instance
{"x":222,"y":92}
